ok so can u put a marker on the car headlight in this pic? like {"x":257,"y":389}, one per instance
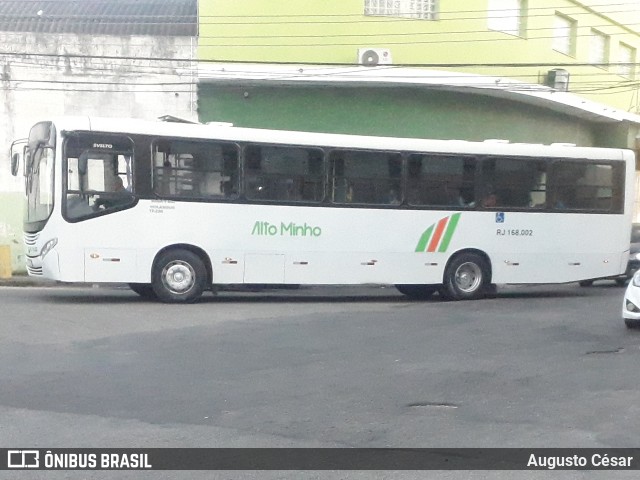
{"x":635,"y":256}
{"x":48,"y":246}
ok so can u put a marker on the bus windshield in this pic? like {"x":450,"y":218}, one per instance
{"x":39,"y":164}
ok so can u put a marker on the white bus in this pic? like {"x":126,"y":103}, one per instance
{"x":174,"y":209}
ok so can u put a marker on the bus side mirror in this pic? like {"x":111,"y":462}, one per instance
{"x":15,"y":164}
{"x":17,"y":151}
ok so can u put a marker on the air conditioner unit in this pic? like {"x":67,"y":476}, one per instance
{"x":558,"y":78}
{"x":374,"y":56}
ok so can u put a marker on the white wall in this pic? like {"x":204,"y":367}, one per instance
{"x":48,"y":75}
{"x":636,"y":205}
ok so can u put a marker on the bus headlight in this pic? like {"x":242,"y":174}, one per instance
{"x":48,"y":246}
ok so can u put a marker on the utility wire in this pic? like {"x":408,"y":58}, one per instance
{"x":255,"y":19}
{"x":192,"y":72}
{"x":512,"y":38}
{"x":367,"y":37}
{"x":313,"y":64}
{"x":577,"y":78}
{"x":406,"y":34}
{"x":64,"y":85}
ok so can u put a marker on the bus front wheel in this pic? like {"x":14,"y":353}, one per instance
{"x":179,"y":276}
{"x":466,"y":277}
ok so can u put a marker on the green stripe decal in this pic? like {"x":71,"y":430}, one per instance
{"x":448,"y":234}
{"x":424,"y":239}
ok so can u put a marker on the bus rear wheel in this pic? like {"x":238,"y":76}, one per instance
{"x":179,"y":276}
{"x":466,"y":277}
{"x":417,"y":292}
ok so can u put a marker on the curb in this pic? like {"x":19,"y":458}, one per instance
{"x":26,"y":281}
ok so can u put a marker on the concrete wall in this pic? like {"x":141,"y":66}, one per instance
{"x":47,"y":75}
{"x":402,"y":112}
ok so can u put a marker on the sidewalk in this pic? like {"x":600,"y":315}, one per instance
{"x":23,"y":280}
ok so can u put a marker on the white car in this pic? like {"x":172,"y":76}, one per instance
{"x":631,"y":303}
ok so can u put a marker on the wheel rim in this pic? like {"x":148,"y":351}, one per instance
{"x":468,"y":277}
{"x":178,"y":277}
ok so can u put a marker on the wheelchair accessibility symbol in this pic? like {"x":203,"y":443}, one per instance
{"x":499,"y":217}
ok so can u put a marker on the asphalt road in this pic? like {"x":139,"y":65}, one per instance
{"x":544,"y":366}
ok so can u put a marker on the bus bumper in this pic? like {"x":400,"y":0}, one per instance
{"x":48,"y":268}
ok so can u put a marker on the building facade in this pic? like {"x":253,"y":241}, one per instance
{"x":504,"y":46}
{"x":539,"y":71}
{"x":526,"y":40}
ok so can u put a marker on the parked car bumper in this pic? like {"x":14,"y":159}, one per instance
{"x":631,"y":302}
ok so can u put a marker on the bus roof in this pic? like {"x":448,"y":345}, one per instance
{"x":332,"y":140}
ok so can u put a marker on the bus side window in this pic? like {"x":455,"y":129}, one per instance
{"x":514,"y":182}
{"x":198,"y":169}
{"x":366,"y":177}
{"x":440,"y":180}
{"x":284,"y":174}
{"x":587,"y":186}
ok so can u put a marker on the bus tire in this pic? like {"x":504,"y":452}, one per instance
{"x":178,"y":276}
{"x":631,"y":323}
{"x":466,"y":277}
{"x":416,"y":292}
{"x":145,"y":290}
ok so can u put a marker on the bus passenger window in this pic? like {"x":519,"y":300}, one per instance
{"x":587,"y":186}
{"x":366,"y":177}
{"x":513,"y":182}
{"x":283,"y":174}
{"x":440,"y":180}
{"x":197,"y":169}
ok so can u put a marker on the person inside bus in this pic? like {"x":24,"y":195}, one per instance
{"x":466,"y":198}
{"x":118,"y":184}
{"x":565,"y":197}
{"x":490,"y":200}
{"x":228,"y":189}
{"x":394,"y":197}
{"x":119,"y":196}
